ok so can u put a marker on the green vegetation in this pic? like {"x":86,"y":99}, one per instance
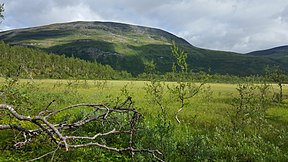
{"x":277,"y":76}
{"x":25,"y":62}
{"x":220,"y":123}
{"x":128,"y":47}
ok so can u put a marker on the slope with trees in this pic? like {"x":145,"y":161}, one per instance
{"x":129,"y":47}
{"x":26,"y":62}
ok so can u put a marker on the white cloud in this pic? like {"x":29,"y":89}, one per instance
{"x":234,"y":25}
{"x":72,"y":13}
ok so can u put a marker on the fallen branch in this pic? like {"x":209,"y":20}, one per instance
{"x":62,"y":133}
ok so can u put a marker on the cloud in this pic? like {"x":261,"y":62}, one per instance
{"x":240,"y":26}
{"x":234,"y":25}
{"x":28,"y":13}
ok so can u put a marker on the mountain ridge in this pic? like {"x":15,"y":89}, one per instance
{"x":271,"y":52}
{"x":129,"y":47}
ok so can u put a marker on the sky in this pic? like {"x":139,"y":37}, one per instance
{"x":229,"y":25}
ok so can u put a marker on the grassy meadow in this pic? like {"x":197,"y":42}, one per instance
{"x":191,"y":119}
{"x":209,"y":128}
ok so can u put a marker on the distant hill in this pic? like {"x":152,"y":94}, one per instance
{"x":128,"y":47}
{"x":276,"y":53}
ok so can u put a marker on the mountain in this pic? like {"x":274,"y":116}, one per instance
{"x":274,"y":53}
{"x":277,"y":54}
{"x":130,"y":47}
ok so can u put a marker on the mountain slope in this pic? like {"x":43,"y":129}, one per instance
{"x":277,"y":52}
{"x":128,"y":47}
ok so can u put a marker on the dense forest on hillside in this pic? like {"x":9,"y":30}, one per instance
{"x":128,"y":47}
{"x":24,"y":62}
{"x":33,"y":63}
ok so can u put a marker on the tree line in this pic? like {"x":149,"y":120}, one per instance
{"x":25,"y":62}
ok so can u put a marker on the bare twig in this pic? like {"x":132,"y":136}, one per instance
{"x":40,"y":157}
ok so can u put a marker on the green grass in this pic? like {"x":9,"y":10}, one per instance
{"x":209,"y":105}
{"x":202,"y":116}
